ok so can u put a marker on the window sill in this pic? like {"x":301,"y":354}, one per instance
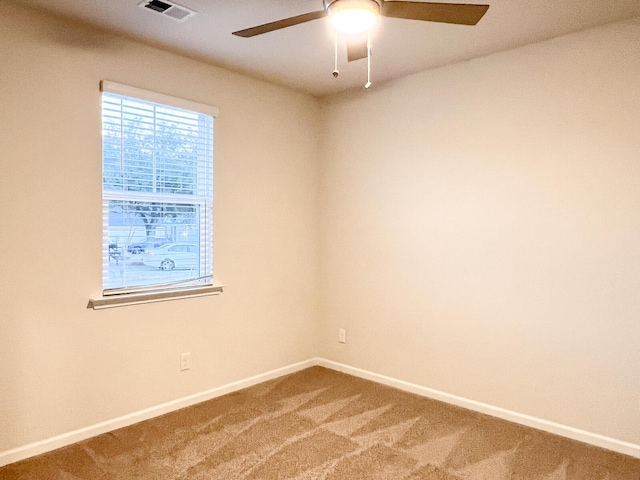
{"x":123,"y":300}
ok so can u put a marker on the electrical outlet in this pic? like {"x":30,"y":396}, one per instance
{"x":185,"y":361}
{"x":342,"y":335}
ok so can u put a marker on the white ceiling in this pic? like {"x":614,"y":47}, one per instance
{"x":302,"y":56}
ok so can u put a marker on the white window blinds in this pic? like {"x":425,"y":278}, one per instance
{"x":157,"y":158}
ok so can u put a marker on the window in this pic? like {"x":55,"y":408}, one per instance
{"x":157,"y":194}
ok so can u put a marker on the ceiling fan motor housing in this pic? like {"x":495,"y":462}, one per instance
{"x":332,"y":6}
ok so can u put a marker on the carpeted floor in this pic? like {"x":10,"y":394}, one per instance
{"x":318,"y":424}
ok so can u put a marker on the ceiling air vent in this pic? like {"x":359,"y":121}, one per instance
{"x":168,"y":9}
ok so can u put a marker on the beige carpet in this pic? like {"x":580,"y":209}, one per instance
{"x":323,"y":425}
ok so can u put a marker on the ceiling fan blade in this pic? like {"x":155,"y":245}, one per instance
{"x":357,"y":48}
{"x":458,"y":13}
{"x":277,"y":25}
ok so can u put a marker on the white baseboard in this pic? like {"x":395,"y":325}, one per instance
{"x":598,"y":440}
{"x":53,"y":443}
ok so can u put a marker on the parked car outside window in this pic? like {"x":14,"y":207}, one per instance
{"x":173,"y":255}
{"x":138,"y":248}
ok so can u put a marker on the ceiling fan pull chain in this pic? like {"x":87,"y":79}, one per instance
{"x":368,"y":84}
{"x":336,"y":72}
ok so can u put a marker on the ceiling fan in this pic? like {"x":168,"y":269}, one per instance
{"x":357,"y":16}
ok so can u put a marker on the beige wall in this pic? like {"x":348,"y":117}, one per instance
{"x":63,"y":367}
{"x":481,"y":230}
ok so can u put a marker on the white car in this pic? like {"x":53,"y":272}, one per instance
{"x":172,"y":255}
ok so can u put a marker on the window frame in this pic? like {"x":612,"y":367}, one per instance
{"x":146,"y":294}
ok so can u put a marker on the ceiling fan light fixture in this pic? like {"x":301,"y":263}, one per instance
{"x":353,"y":16}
